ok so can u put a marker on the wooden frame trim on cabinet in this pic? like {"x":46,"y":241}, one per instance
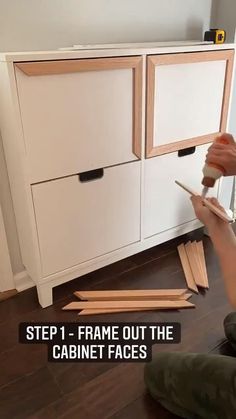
{"x":168,"y":59}
{"x":137,"y":107}
{"x":43,"y":68}
{"x":227,"y":89}
{"x":46,"y":68}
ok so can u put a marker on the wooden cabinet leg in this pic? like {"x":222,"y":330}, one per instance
{"x":44,"y":295}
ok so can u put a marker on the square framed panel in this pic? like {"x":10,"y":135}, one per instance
{"x":187,"y":99}
{"x":80,"y":115}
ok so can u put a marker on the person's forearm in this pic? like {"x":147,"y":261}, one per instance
{"x":224,"y":242}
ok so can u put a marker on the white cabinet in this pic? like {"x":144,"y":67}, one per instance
{"x":79,"y":115}
{"x":91,"y":140}
{"x":78,"y":220}
{"x":165,"y":204}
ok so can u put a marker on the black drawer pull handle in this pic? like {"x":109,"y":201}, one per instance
{"x":186,"y":151}
{"x":91,"y":175}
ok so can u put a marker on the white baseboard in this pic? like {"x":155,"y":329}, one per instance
{"x":23,"y":281}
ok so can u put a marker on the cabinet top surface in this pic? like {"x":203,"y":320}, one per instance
{"x":114,"y":50}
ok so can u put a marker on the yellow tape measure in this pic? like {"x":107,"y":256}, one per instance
{"x":218,"y":36}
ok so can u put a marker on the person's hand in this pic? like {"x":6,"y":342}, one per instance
{"x":207,"y":217}
{"x":223,"y":154}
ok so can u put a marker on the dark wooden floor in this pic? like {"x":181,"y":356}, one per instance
{"x":32,"y":387}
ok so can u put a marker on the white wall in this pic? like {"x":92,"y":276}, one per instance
{"x":8,"y":215}
{"x":224,"y":16}
{"x":49,"y":24}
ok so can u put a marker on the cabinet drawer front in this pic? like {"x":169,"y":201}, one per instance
{"x":79,"y":115}
{"x":166,"y":205}
{"x":188,"y":99}
{"x":80,"y":220}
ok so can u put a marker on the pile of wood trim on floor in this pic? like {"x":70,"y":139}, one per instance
{"x":194,"y":265}
{"x":111,"y":301}
{"x":120,"y":301}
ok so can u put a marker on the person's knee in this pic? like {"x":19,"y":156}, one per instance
{"x":210,"y":391}
{"x":230,"y":318}
{"x":154,"y":374}
{"x":164,"y":371}
{"x":230,"y":327}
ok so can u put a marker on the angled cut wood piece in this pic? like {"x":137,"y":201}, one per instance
{"x":186,"y":296}
{"x":198,"y":257}
{"x":87,"y":312}
{"x":200,"y":281}
{"x":128,"y":304}
{"x":113,"y":295}
{"x":193,"y":262}
{"x":187,"y":268}
{"x":213,"y":208}
{"x":203,"y":260}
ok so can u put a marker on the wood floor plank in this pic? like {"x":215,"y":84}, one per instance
{"x":144,"y":407}
{"x":200,"y":338}
{"x":37,"y":389}
{"x":32,"y":358}
{"x":21,"y":303}
{"x":101,"y":397}
{"x":7,"y":294}
{"x":27,"y":395}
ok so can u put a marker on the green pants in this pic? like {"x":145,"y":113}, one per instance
{"x":195,"y":386}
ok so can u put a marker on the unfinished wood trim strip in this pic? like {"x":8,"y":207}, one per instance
{"x":186,"y":296}
{"x":198,"y":257}
{"x":217,"y":211}
{"x":88,"y":312}
{"x":202,"y":255}
{"x":181,"y":145}
{"x":130,"y":294}
{"x":221,"y":214}
{"x":191,"y":250}
{"x":168,"y":59}
{"x":5,"y":295}
{"x":43,"y":68}
{"x":137,"y":108}
{"x":186,"y":268}
{"x":191,"y":57}
{"x":227,"y":89}
{"x":127,"y":304}
{"x":150,"y":106}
